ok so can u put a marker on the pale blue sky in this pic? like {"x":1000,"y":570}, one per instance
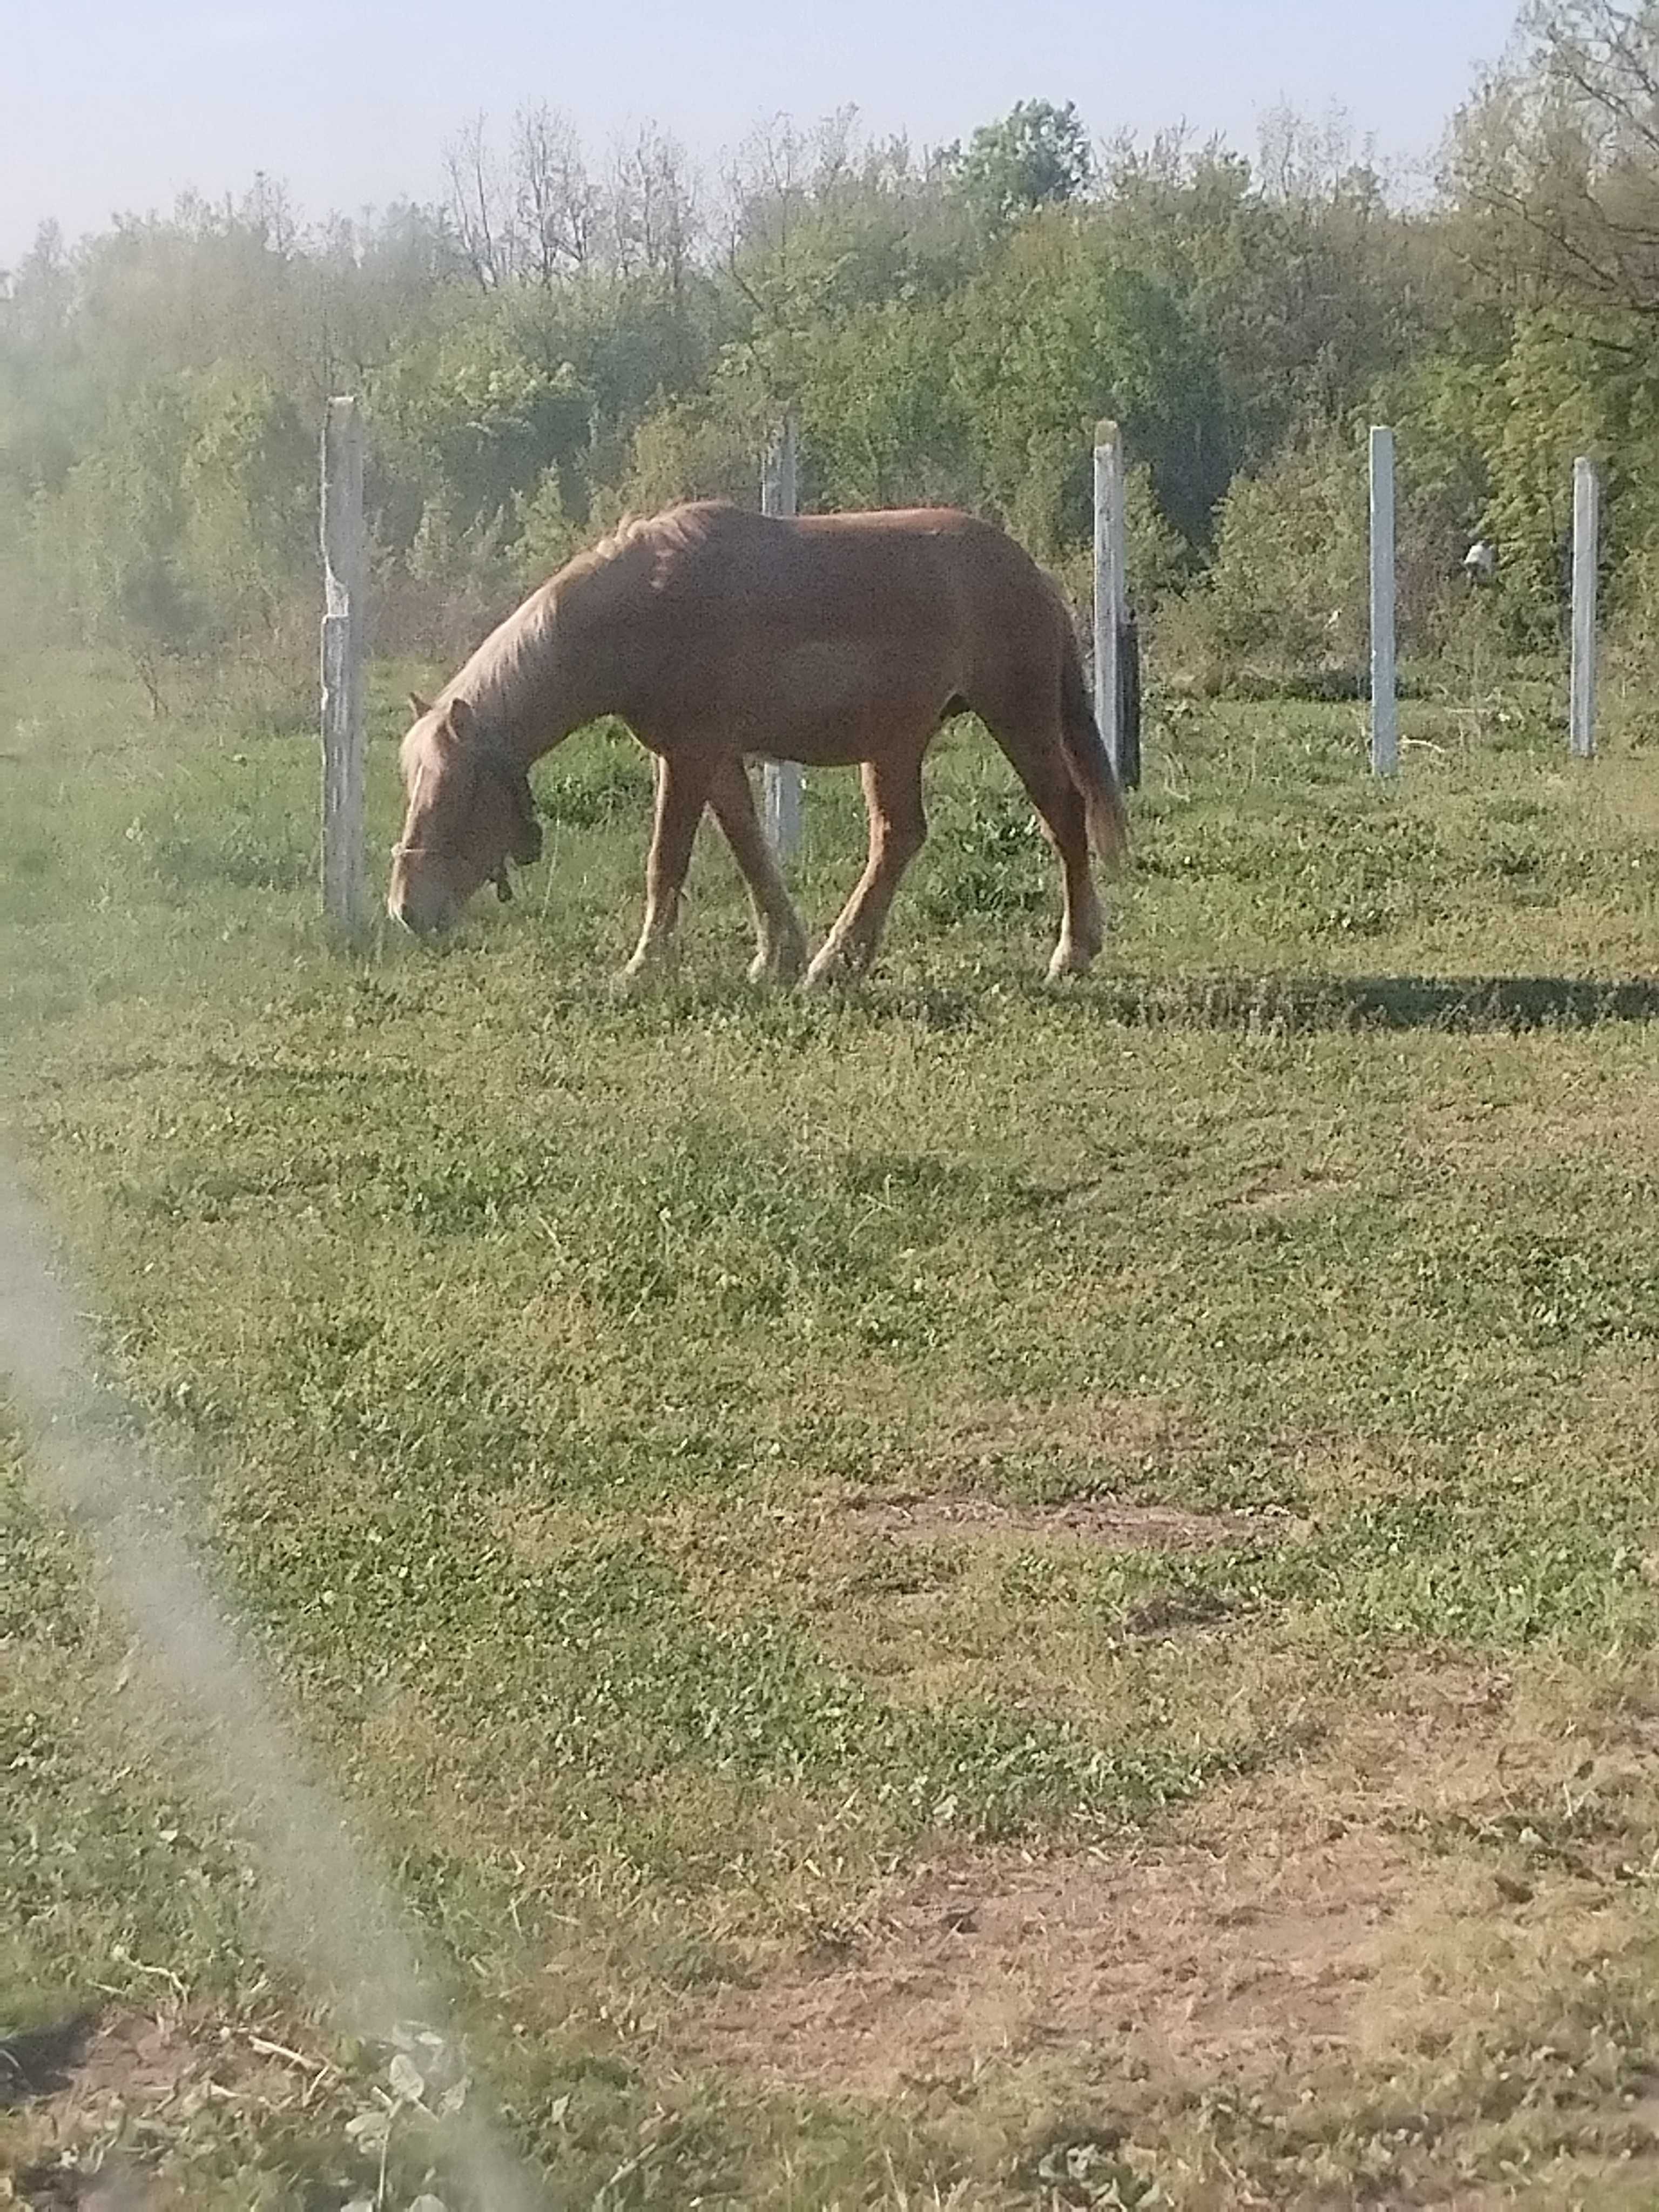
{"x":119,"y":104}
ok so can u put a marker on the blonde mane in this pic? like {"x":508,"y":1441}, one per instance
{"x":513,"y":663}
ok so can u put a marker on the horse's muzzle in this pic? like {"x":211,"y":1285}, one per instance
{"x":419,"y":918}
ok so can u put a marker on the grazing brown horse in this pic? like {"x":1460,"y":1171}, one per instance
{"x":716,"y":634}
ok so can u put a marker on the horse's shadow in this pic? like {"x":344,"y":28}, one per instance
{"x":1273,"y":1005}
{"x":1289,"y":1003}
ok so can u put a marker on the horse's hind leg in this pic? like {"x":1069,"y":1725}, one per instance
{"x":683,"y":782}
{"x":1038,"y":758}
{"x":898,"y":830}
{"x":781,"y":940}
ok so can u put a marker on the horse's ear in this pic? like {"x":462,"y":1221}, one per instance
{"x":418,"y":706}
{"x":462,"y":719}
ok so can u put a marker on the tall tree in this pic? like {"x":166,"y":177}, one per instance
{"x":1038,"y":156}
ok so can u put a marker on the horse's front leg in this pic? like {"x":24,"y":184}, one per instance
{"x":682,"y":781}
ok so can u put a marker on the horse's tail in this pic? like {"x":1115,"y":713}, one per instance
{"x":1089,"y":760}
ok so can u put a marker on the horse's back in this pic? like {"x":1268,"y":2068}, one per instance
{"x":806,"y":634}
{"x":941,"y":576}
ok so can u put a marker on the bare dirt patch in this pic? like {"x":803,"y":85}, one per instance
{"x":1172,"y":1956}
{"x":137,"y":2057}
{"x":1119,"y":1524}
{"x":1441,"y":1879}
{"x":91,"y":2101}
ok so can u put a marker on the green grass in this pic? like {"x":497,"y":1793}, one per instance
{"x":525,"y":1347}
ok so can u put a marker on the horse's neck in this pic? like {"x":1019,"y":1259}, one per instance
{"x":531,"y":720}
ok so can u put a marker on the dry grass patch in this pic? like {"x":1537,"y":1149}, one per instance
{"x":1083,"y":1436}
{"x":1117,"y":1524}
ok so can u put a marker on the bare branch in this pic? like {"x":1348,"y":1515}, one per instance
{"x":474,"y":205}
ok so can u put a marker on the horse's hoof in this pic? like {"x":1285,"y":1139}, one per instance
{"x":629,"y":982}
{"x":1069,"y":960}
{"x":826,"y":974}
{"x":780,"y":969}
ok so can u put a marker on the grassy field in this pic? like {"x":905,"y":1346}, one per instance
{"x":960,"y":1596}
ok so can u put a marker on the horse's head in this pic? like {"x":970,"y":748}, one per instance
{"x":469,"y":812}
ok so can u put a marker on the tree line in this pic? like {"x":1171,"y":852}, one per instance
{"x":559,"y":340}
